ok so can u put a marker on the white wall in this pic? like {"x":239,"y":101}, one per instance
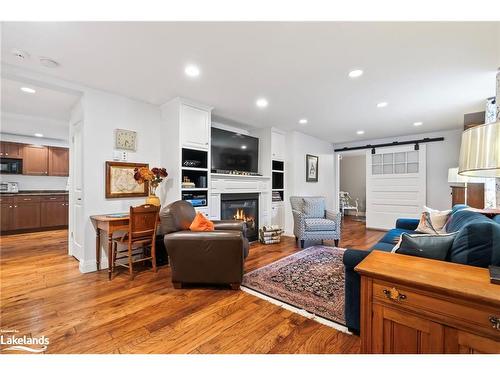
{"x":440,"y":157}
{"x":298,"y":145}
{"x":35,"y":182}
{"x":353,"y":179}
{"x":103,"y":113}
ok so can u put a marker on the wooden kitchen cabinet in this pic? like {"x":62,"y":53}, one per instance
{"x":7,"y":215}
{"x":11,"y":150}
{"x":36,"y":160}
{"x":58,"y":161}
{"x":27,"y":214}
{"x":54,"y":211}
{"x":413,"y":305}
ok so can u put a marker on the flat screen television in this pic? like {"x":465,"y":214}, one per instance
{"x":234,"y":152}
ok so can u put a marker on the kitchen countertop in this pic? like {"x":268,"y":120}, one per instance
{"x":36,"y":192}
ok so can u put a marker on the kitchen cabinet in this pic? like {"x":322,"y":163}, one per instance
{"x":11,"y":150}
{"x":278,"y":146}
{"x":36,"y":160}
{"x":58,"y":161}
{"x":6,"y":215}
{"x":195,"y":127}
{"x":25,"y":213}
{"x":54,"y":211}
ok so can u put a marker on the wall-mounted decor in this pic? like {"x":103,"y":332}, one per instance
{"x":312,"y":168}
{"x":125,"y":139}
{"x":120,"y":181}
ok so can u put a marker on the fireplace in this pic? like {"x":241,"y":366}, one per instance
{"x":242,"y":206}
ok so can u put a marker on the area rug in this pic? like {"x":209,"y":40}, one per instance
{"x":311,"y":280}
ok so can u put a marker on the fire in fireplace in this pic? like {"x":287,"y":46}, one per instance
{"x":243,"y":207}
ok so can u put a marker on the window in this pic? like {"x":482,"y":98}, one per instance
{"x":395,"y":163}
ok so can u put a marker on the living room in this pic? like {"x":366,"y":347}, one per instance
{"x":230,"y":192}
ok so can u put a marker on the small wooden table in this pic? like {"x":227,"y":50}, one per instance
{"x":110,"y":225}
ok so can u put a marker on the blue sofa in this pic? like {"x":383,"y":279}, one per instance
{"x":477,"y":243}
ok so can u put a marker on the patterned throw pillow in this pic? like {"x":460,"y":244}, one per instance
{"x":433,"y":221}
{"x":314,"y":207}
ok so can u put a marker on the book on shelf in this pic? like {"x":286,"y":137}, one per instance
{"x":188,"y":185}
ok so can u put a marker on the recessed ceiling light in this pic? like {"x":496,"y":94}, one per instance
{"x":48,"y":63}
{"x":360,"y":132}
{"x":355,"y":73}
{"x":39,"y":135}
{"x":382,"y":104}
{"x":192,"y":71}
{"x":243,"y":147}
{"x":28,"y":90}
{"x":303,"y":121}
{"x":262,"y":103}
{"x":418,"y":123}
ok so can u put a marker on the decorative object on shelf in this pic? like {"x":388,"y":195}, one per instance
{"x":191,"y":163}
{"x":152,"y":177}
{"x":187,"y":184}
{"x":312,"y":168}
{"x":270,"y":234}
{"x":125,"y":139}
{"x":277,"y":196}
{"x":120,"y":181}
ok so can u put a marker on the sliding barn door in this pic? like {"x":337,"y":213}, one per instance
{"x":395,"y":185}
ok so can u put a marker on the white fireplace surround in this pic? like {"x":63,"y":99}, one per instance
{"x":234,"y":184}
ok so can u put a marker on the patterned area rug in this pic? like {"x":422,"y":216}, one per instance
{"x":312,"y":279}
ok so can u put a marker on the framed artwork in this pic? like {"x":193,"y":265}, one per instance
{"x":120,"y":182}
{"x":312,"y":168}
{"x":125,"y":139}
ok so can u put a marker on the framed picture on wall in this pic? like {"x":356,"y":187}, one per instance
{"x":312,"y":168}
{"x":120,"y":182}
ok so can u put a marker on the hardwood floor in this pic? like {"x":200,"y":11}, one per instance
{"x":43,"y":293}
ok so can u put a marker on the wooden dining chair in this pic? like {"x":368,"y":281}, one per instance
{"x":140,"y":237}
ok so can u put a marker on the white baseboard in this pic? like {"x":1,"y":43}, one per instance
{"x":87,"y":266}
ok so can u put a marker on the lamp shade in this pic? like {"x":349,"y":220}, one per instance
{"x":480,"y":151}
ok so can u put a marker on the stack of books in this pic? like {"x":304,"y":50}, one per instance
{"x":270,"y":234}
{"x":276,"y":196}
{"x":188,"y":185}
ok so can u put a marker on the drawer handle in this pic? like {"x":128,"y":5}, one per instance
{"x":394,"y":295}
{"x":495,"y":321}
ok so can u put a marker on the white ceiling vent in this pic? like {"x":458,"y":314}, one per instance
{"x":20,"y":54}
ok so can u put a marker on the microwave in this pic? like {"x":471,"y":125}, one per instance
{"x":11,"y":166}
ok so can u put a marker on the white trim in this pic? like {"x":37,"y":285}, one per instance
{"x":296,"y":310}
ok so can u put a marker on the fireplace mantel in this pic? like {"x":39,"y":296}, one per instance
{"x":234,"y":184}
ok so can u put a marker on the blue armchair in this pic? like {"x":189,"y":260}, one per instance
{"x":312,"y":221}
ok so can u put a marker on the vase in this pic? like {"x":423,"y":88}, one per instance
{"x":152,"y":198}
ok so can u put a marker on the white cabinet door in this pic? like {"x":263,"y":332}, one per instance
{"x":214,"y":204}
{"x":277,"y":214}
{"x":195,"y":127}
{"x":278,"y":146}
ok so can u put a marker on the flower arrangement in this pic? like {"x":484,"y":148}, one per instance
{"x":154,"y":177}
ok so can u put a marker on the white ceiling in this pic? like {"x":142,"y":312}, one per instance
{"x":430,"y":72}
{"x":46,"y":103}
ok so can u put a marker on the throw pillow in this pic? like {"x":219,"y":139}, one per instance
{"x":314,"y":207}
{"x":201,"y":224}
{"x":433,"y":221}
{"x":431,"y":246}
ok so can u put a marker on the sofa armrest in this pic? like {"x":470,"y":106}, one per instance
{"x":410,"y":224}
{"x":352,"y":288}
{"x":238,"y":225}
{"x":206,"y":257}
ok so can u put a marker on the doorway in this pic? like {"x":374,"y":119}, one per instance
{"x":352,"y":185}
